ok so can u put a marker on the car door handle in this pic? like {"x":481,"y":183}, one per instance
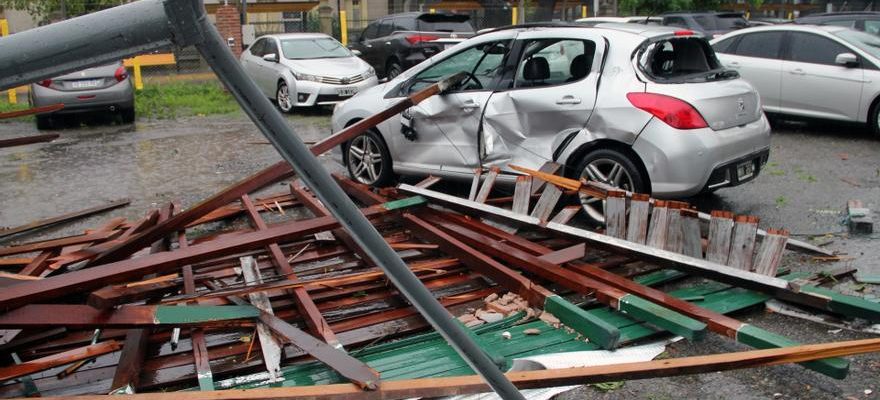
{"x":797,"y":71}
{"x":569,"y":100}
{"x":733,"y":64}
{"x":468,"y":105}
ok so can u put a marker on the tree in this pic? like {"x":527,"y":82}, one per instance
{"x":653,"y":7}
{"x":45,"y":10}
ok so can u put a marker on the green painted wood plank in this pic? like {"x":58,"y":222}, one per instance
{"x":847,"y":305}
{"x":404,"y":203}
{"x":761,"y":339}
{"x":195,"y":314}
{"x":663,"y":317}
{"x":599,"y":331}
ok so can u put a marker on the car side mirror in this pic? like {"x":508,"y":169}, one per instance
{"x":271,"y":57}
{"x":357,"y":53}
{"x":848,"y":60}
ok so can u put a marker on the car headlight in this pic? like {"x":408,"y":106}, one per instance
{"x":371,"y":72}
{"x":305,"y":77}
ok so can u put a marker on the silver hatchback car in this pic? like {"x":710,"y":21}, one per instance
{"x":646,"y":108}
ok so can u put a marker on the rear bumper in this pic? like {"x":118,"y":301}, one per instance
{"x":113,"y":98}
{"x":685,"y":163}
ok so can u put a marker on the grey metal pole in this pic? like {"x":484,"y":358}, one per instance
{"x":309,"y":169}
{"x":87,"y":41}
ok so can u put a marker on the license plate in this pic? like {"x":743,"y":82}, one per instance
{"x":86,"y":84}
{"x":346,"y":91}
{"x":745,"y":170}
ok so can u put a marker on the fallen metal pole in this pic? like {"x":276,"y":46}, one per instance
{"x":144,"y":25}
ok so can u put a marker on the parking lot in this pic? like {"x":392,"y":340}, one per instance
{"x":814,"y":169}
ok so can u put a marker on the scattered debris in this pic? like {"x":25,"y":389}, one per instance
{"x":859,"y":218}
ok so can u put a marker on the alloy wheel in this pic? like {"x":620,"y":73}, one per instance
{"x":606,"y":171}
{"x":365,"y":159}
{"x":283,"y":97}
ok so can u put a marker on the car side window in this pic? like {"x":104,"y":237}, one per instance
{"x":548,"y":62}
{"x":370,"y":31}
{"x":814,"y":49}
{"x":724,"y":45}
{"x":872,"y":26}
{"x":385,"y":28}
{"x":271,"y":47}
{"x":483,"y":62}
{"x":404,"y":24}
{"x":760,"y":45}
{"x":676,"y":21}
{"x":257,"y":47}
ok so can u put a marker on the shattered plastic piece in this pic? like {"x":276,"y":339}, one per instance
{"x":506,"y":335}
{"x":532,"y":332}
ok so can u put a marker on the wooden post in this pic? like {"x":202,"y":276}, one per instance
{"x":138,"y":78}
{"x":514,"y":18}
{"x":4,"y":31}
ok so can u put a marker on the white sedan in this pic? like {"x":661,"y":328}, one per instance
{"x":306,"y":69}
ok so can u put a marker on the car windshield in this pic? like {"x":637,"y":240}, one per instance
{"x":864,"y":41}
{"x":731,"y":22}
{"x":303,"y":49}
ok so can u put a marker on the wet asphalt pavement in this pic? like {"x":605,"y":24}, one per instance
{"x":813,"y":171}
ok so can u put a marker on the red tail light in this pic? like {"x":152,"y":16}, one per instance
{"x":413,"y":39}
{"x":674,"y":112}
{"x":120,"y":74}
{"x":45,"y":83}
{"x":683,"y":32}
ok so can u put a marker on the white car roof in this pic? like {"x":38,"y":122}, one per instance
{"x":821,"y":29}
{"x":297,"y":35}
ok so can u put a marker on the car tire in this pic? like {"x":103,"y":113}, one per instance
{"x":611,"y":167}
{"x":392,"y":70}
{"x":368,"y":160}
{"x":874,"y":120}
{"x":283,"y":99}
{"x":128,"y":115}
{"x":45,"y":122}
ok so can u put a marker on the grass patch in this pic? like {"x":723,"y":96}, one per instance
{"x":780,"y":201}
{"x":6,"y":106}
{"x":182,"y":99}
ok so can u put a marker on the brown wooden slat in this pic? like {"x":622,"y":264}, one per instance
{"x":615,"y":214}
{"x":691,"y":239}
{"x":659,"y":227}
{"x":488,"y":184}
{"x":547,"y":202}
{"x":550,"y":168}
{"x":639,"y":208}
{"x":522,"y":194}
{"x":770,"y":253}
{"x":720,"y":231}
{"x":57,"y":360}
{"x":742,"y":243}
{"x":673,"y":227}
{"x":566,"y":214}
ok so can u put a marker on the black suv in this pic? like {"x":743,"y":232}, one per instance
{"x":860,"y":20}
{"x":710,"y":24}
{"x":394,"y":43}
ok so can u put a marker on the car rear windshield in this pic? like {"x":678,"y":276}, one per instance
{"x":304,"y":49}
{"x":728,"y":22}
{"x":682,"y":59}
{"x":444,"y":23}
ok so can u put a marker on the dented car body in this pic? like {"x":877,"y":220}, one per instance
{"x":646,"y":108}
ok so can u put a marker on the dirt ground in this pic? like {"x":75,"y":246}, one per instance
{"x":813,"y":171}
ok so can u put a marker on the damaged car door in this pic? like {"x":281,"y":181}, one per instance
{"x":441,"y":133}
{"x":550,"y":95}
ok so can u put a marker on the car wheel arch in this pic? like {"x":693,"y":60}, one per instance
{"x":604,"y":143}
{"x":870,"y":119}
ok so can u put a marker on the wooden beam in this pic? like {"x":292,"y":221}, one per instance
{"x":472,"y":384}
{"x":57,"y":360}
{"x":31,"y":111}
{"x":127,"y":270}
{"x":304,"y":304}
{"x":269,"y":346}
{"x":82,"y":316}
{"x":23,"y":140}
{"x":62,"y":218}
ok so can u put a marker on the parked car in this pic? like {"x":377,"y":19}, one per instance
{"x":107,"y":88}
{"x":665,"y":118}
{"x":593,"y":21}
{"x":764,"y":21}
{"x":395,"y":43}
{"x":826,"y":72}
{"x":305,"y":70}
{"x":710,"y":24}
{"x":868,"y":21}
